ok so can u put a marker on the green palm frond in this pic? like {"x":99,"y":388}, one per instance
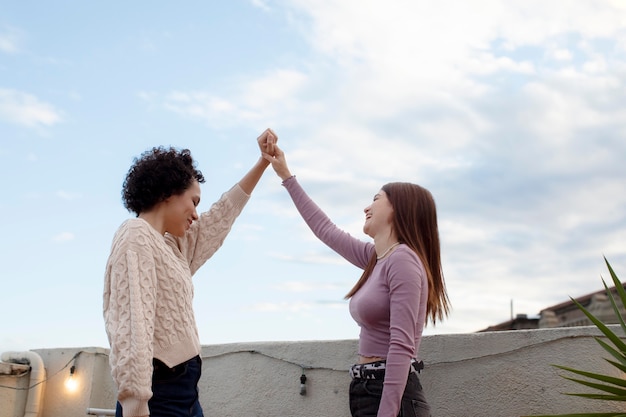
{"x":620,"y":414}
{"x":620,"y":366}
{"x":592,"y":375}
{"x":621,"y":358}
{"x":619,"y":344}
{"x":620,"y":291}
{"x":611,"y":388}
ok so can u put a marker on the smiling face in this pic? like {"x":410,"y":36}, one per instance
{"x":378,"y":215}
{"x":180,"y":210}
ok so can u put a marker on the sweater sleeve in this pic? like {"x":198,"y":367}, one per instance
{"x":129,"y":311}
{"x":352,"y":249}
{"x":406,"y":280}
{"x":208,"y":233}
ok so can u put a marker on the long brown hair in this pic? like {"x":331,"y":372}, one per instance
{"x":415,"y":223}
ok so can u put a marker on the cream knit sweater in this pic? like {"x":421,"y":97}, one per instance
{"x":148,"y":296}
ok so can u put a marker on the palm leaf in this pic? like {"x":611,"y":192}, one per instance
{"x":616,"y":387}
{"x":614,"y":305}
{"x":616,"y":354}
{"x":592,"y":375}
{"x":620,"y":291}
{"x":604,"y":397}
{"x":618,"y":414}
{"x":603,"y":328}
{"x":619,"y":366}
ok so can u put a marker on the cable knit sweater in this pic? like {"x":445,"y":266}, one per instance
{"x":148,"y":296}
{"x":390,"y":307}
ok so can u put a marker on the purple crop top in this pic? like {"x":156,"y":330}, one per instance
{"x":390,"y":308}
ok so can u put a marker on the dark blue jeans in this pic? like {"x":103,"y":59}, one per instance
{"x":174,"y":390}
{"x":365,"y":395}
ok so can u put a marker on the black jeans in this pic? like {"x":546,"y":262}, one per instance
{"x":365,"y":395}
{"x":174,"y":390}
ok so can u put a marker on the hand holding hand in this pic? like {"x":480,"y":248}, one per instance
{"x":279,"y":163}
{"x":267,"y":141}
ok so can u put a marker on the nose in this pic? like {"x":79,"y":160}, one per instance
{"x":194,"y":215}
{"x":367,"y":209}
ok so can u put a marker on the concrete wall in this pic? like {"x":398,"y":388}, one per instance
{"x":497,"y":374}
{"x":94,"y":385}
{"x":14,"y":380}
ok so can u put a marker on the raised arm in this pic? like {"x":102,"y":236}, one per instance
{"x":352,"y":249}
{"x":267,"y":143}
{"x":278,"y":161}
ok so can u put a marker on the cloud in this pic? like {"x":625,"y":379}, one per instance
{"x":27,"y":110}
{"x":512,"y":113}
{"x":311,"y":258}
{"x":67,"y":195}
{"x":291,"y":307}
{"x":63,"y":237}
{"x":261,"y":4}
{"x":299,"y":307}
{"x":301,"y":286}
{"x":258,"y":100}
{"x":9,"y":41}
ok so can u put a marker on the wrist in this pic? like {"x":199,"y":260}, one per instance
{"x":263,"y":162}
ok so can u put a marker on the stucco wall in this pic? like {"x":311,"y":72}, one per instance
{"x":13,"y":385}
{"x":499,"y":374}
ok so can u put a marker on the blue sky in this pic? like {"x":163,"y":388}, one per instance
{"x":513,"y":113}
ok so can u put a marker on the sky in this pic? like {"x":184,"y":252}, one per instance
{"x":512,"y":113}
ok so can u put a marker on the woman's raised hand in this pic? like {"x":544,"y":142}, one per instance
{"x":267,"y":140}
{"x":279,"y":163}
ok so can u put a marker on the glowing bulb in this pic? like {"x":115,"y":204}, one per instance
{"x":71,"y":384}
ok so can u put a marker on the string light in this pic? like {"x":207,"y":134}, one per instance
{"x":303,"y":383}
{"x":71,"y":384}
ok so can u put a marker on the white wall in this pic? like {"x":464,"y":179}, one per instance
{"x":498,"y":374}
{"x":14,"y":380}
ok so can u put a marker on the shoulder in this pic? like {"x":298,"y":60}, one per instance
{"x":405,"y":273}
{"x":135,"y":226}
{"x":403,"y":252}
{"x":134,"y":234}
{"x":405,"y":259}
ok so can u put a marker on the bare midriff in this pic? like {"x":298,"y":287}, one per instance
{"x":369,"y":359}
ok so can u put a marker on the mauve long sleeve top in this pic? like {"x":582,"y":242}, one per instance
{"x":390,"y":308}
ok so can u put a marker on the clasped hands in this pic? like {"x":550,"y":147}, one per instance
{"x":273,"y":154}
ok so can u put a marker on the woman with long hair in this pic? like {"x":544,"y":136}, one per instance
{"x":401,"y":288}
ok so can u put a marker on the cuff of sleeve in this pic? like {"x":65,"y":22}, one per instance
{"x":288,"y":180}
{"x":135,"y":407}
{"x":238,"y":196}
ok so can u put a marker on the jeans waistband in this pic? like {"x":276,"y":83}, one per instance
{"x":159,"y":366}
{"x":376,"y":370}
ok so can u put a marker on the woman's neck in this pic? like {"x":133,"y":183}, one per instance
{"x":385,"y":246}
{"x":154,"y":219}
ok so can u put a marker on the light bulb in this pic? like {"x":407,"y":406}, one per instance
{"x":71,"y":384}
{"x":303,"y":384}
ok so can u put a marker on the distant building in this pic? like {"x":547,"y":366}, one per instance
{"x":520,"y":322}
{"x":567,"y":314}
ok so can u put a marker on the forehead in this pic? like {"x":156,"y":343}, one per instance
{"x":194,"y":189}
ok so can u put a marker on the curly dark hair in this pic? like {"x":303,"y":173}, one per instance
{"x":156,"y":175}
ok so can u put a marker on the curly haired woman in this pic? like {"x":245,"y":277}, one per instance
{"x":148,"y":293}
